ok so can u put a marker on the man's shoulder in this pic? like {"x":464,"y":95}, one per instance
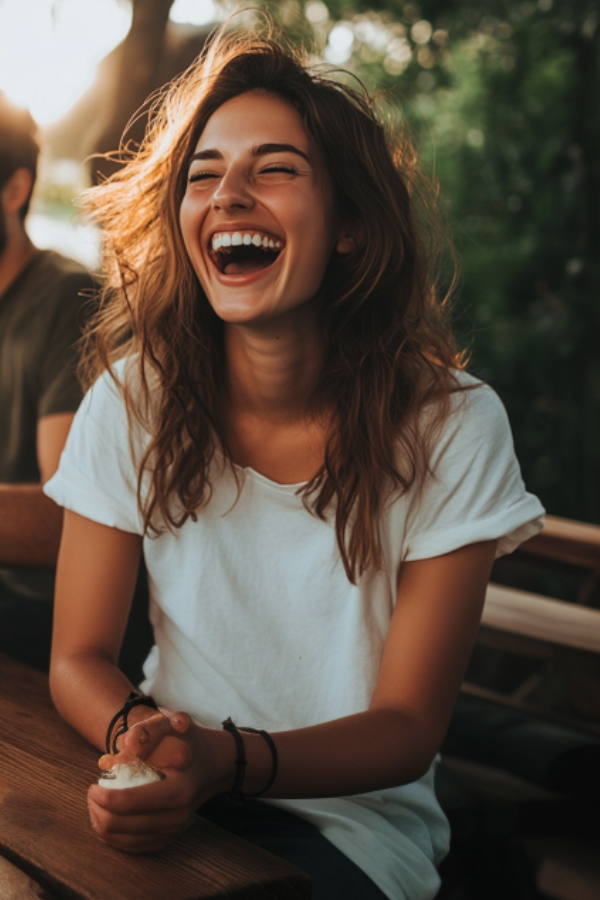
{"x":54,"y":270}
{"x":55,"y":289}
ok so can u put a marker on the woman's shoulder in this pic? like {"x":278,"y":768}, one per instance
{"x":476,"y":422}
{"x":119,"y":386}
{"x":116,"y":407}
{"x":474,"y":404}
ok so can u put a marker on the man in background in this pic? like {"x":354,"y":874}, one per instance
{"x":43,"y":298}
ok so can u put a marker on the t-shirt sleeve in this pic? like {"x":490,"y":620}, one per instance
{"x":59,"y":388}
{"x":97,"y":476}
{"x":476,"y":492}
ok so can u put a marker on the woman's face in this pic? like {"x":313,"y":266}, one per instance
{"x":258,"y":217}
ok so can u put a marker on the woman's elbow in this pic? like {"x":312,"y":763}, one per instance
{"x":415,"y":746}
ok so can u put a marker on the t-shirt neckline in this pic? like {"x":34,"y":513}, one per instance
{"x":249,"y":472}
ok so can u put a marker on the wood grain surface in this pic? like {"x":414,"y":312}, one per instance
{"x":45,"y":769}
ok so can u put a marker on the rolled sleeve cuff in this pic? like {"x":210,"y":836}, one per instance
{"x":510,"y":527}
{"x":72,"y":490}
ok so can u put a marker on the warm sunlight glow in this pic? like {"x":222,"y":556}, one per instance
{"x":193,"y":12}
{"x":49,"y":50}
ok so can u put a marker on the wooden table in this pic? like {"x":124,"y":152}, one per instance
{"x":47,"y":846}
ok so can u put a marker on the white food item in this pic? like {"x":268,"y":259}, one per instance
{"x":128,"y":775}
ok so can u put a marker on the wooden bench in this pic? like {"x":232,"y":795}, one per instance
{"x":486,"y":770}
{"x":559,"y":634}
{"x":48,"y":848}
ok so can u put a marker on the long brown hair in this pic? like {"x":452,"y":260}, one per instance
{"x":389,"y":351}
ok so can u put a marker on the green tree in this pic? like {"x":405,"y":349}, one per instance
{"x":503,"y":100}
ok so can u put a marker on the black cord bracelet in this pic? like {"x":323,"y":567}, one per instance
{"x":241,"y":762}
{"x":271,"y":745}
{"x":240,"y":759}
{"x":134,"y":699}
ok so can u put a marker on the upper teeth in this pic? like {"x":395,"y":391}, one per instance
{"x":237,"y":238}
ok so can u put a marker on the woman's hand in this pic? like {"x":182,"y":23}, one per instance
{"x":145,"y":818}
{"x":163,"y":739}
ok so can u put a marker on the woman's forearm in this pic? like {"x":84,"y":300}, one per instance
{"x":95,"y":581}
{"x":368,"y":751}
{"x":87,"y":690}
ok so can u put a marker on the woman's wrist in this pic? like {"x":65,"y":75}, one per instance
{"x":259,"y":767}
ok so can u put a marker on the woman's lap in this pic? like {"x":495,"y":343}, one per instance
{"x":333,"y":874}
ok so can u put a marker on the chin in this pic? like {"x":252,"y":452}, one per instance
{"x":235,"y":315}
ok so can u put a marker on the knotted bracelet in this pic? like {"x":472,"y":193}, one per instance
{"x":134,"y":699}
{"x":241,"y":762}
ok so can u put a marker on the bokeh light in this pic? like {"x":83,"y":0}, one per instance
{"x":194,"y":12}
{"x":49,"y":50}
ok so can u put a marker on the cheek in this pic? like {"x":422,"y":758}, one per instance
{"x":185,"y":222}
{"x":190,"y":225}
{"x":320,"y":241}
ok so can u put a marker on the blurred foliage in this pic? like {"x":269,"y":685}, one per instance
{"x":503,"y":101}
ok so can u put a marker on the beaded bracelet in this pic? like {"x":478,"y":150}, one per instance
{"x":236,"y":792}
{"x":134,"y":699}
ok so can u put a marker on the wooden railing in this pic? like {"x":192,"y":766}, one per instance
{"x":562,"y":634}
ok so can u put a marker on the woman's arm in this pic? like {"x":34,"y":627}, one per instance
{"x":428,"y":646}
{"x":429,"y":642}
{"x":95,"y":581}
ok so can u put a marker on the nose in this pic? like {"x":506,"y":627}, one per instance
{"x":232,"y":192}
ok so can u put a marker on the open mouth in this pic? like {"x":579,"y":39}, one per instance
{"x":241,"y":253}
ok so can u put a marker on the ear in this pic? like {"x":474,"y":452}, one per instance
{"x":350,"y":237}
{"x":16,"y":190}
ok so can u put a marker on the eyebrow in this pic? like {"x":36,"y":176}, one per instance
{"x":261,"y":150}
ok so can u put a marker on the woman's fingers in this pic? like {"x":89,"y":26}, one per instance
{"x":107,"y":761}
{"x":166,"y":821}
{"x":171,"y":753}
{"x":180,"y":721}
{"x":141,"y":819}
{"x":152,"y":798}
{"x":142,"y":738}
{"x":153,"y":740}
{"x":123,"y":821}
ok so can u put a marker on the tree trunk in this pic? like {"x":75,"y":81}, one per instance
{"x":135,"y":79}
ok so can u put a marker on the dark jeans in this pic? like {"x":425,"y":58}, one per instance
{"x":334,"y":875}
{"x":25,"y":628}
{"x":26,"y":631}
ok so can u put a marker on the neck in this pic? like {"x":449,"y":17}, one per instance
{"x":273,"y":371}
{"x":16,"y":254}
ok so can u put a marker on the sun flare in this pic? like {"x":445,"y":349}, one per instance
{"x":49,"y":50}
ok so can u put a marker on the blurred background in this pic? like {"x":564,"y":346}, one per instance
{"x":502,"y":99}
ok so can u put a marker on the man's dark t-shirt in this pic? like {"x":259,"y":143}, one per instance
{"x":41,"y":317}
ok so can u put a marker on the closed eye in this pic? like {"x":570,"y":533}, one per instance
{"x":291,"y":170}
{"x":201,"y":176}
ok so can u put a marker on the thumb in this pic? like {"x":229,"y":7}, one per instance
{"x":180,"y":721}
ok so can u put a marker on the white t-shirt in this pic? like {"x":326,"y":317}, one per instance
{"x":254,"y":617}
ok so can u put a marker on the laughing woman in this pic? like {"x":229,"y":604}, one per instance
{"x":279,"y":421}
